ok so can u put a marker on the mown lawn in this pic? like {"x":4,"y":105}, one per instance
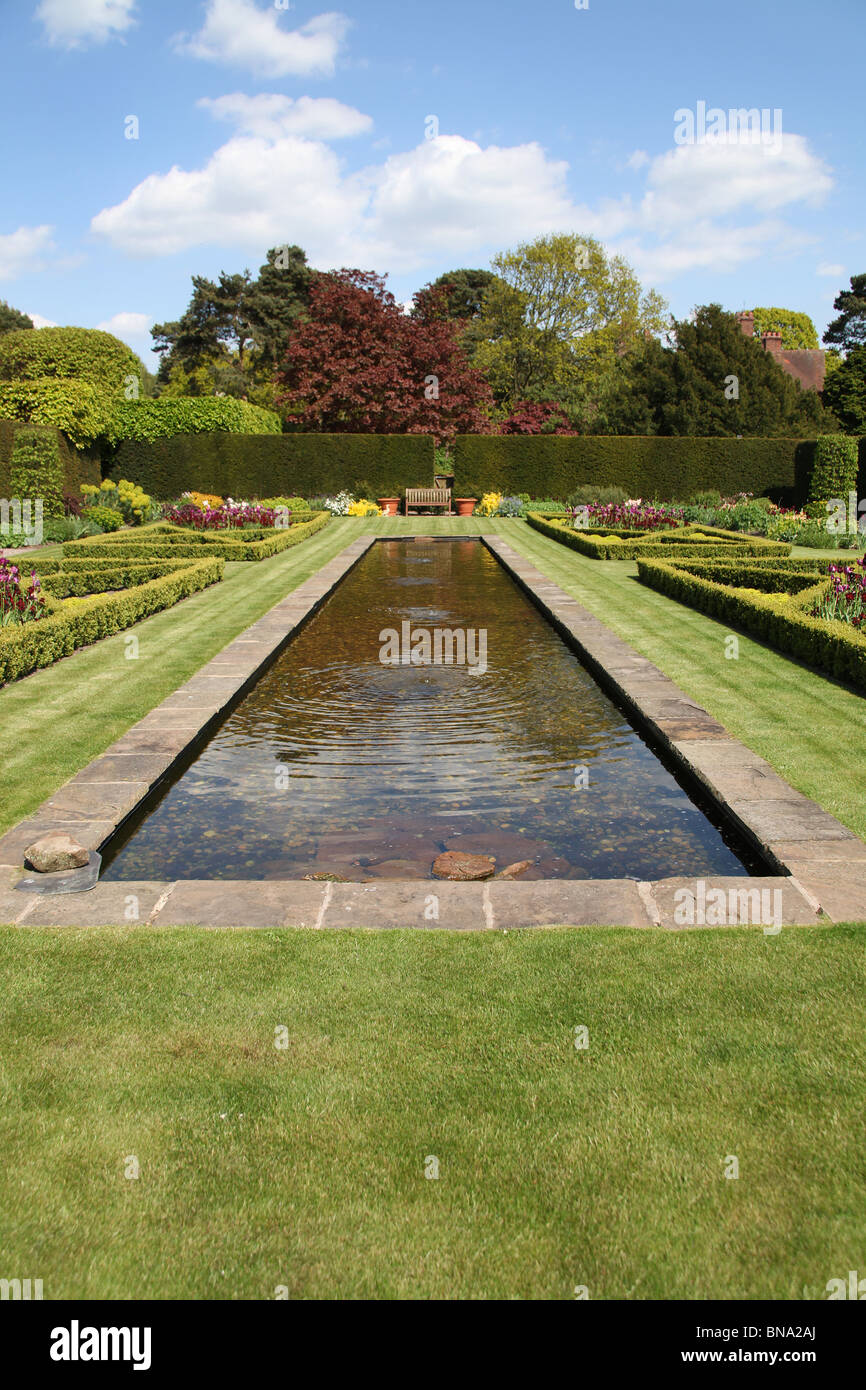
{"x":558,"y":1167}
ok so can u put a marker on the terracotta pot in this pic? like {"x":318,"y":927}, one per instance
{"x":465,"y":505}
{"x":389,"y":505}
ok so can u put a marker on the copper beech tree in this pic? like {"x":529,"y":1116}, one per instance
{"x":359,"y":365}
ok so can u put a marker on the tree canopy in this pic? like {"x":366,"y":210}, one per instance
{"x":848,"y":331}
{"x":10,"y":318}
{"x":797,"y":329}
{"x":712,"y":381}
{"x":845,"y":392}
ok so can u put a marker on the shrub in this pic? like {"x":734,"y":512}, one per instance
{"x":81,"y":354}
{"x":835,"y":472}
{"x":587,"y":494}
{"x":149,"y":420}
{"x":106,"y":518}
{"x":246,"y":465}
{"x":75,"y":407}
{"x":171,"y":542}
{"x":363,"y":507}
{"x":36,"y":470}
{"x":628,"y":545}
{"x":489,"y":504}
{"x":124,"y":497}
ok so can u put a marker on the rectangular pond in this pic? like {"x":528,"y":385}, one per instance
{"x":427,"y":706}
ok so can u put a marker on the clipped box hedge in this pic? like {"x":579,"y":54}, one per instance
{"x":546,"y":465}
{"x":164,"y":541}
{"x":78,"y":622}
{"x":79,"y":465}
{"x":778,"y":618}
{"x":247,"y":466}
{"x":73,"y":579}
{"x":628,"y":545}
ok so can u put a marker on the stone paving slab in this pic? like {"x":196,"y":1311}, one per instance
{"x":749,"y":901}
{"x":106,"y":905}
{"x":91,"y":834}
{"x":89,"y":801}
{"x":567,"y":903}
{"x":426,"y":904}
{"x":123,"y":767}
{"x":242,"y":903}
{"x":841,"y":893}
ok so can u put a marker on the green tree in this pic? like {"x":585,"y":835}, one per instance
{"x":11,"y":319}
{"x":845,"y":392}
{"x":216,"y":325}
{"x":277,"y":300}
{"x":557,"y":319}
{"x":797,"y":329}
{"x":712,"y":381}
{"x":462,"y":294}
{"x":848,"y":331}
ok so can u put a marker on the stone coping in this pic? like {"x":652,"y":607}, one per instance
{"x":822,"y":865}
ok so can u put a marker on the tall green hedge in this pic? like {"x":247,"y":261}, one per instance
{"x":36,"y":469}
{"x":835,"y":471}
{"x":646,"y":466}
{"x":147,"y":420}
{"x":83,"y":354}
{"x":79,"y":465}
{"x":75,"y":407}
{"x":264,"y":465}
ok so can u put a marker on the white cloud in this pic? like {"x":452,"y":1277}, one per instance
{"x":238,"y":32}
{"x":709,"y":206}
{"x":637,"y":159}
{"x":25,"y":250}
{"x":127,"y":324}
{"x":272,"y":115}
{"x":73,"y":23}
{"x":830,"y":268}
{"x":40,"y":322}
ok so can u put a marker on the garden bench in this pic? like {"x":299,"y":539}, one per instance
{"x":427,"y":497}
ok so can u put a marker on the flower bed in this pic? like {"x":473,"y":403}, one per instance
{"x":19,"y":605}
{"x":781,"y":604}
{"x":79,"y":621}
{"x":165,"y":541}
{"x":229,"y":516}
{"x":628,"y":544}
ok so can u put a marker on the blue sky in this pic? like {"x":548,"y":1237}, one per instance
{"x":261,"y":124}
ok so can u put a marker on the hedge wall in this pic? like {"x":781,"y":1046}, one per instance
{"x":148,"y":420}
{"x":264,"y":465}
{"x":646,"y":466}
{"x":79,"y":465}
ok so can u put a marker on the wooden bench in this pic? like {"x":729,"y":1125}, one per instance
{"x":427,"y":497}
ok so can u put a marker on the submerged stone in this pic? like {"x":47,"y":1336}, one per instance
{"x":463,"y":868}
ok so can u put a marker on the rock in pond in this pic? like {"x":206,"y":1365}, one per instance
{"x":463,"y":868}
{"x":54,"y":852}
{"x":515,"y":870}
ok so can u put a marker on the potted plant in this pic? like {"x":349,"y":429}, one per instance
{"x":389,"y":505}
{"x":465,"y":505}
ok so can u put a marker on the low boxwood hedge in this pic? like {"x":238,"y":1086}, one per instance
{"x":80,"y":621}
{"x":165,"y":542}
{"x":616,"y":544}
{"x":76,"y":578}
{"x":778,"y":618}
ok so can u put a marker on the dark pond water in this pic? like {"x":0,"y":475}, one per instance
{"x":338,"y":763}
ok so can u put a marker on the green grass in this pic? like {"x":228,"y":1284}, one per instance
{"x":557,"y":1167}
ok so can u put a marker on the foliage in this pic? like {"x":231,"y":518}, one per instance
{"x":358,"y":364}
{"x":629,"y":544}
{"x":75,"y":407}
{"x":234,"y":329}
{"x":834,"y":474}
{"x":11,"y":319}
{"x":489,"y":504}
{"x":797,"y":329}
{"x":106,"y":518}
{"x":845,"y":392}
{"x":462,"y":293}
{"x":555,"y":322}
{"x":363,"y":507}
{"x":585,"y":493}
{"x":125,"y":497}
{"x":235,"y":465}
{"x":537,"y":417}
{"x":231,"y":516}
{"x":845,"y":599}
{"x":339,"y":505}
{"x":848,"y":331}
{"x":35,"y":469}
{"x":554,"y":466}
{"x":80,"y":354}
{"x":164,"y":541}
{"x":711,"y":381}
{"x":162,"y":418}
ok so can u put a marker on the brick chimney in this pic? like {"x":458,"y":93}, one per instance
{"x":773,"y":344}
{"x":747,"y":323}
